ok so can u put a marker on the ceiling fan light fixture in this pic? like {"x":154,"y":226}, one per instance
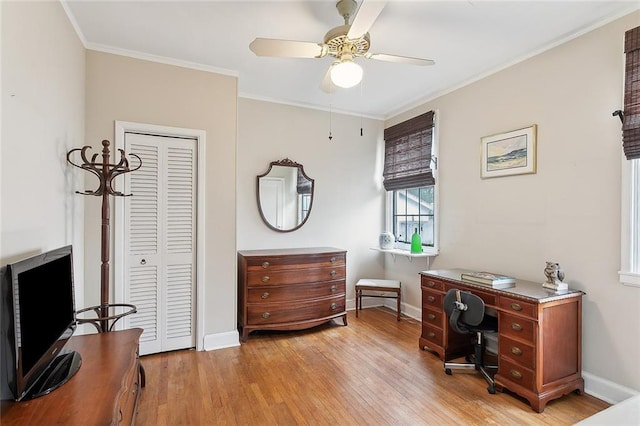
{"x":346,"y":74}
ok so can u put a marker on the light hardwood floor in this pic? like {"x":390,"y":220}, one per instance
{"x":368,"y":373}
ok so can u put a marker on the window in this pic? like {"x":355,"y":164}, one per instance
{"x":413,"y":210}
{"x":630,"y":238}
{"x":409,"y":169}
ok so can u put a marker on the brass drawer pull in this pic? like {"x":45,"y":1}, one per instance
{"x":265,"y":279}
{"x":333,"y":260}
{"x":516,"y":374}
{"x":431,"y":284}
{"x":516,"y":350}
{"x":334,"y":306}
{"x":430,"y":298}
{"x":515,"y":326}
{"x":334,"y":288}
{"x":431,"y":334}
{"x":265,"y":295}
{"x":333,"y":274}
{"x":265,"y":265}
{"x":266,"y":315}
{"x":516,"y":307}
{"x":431,"y":317}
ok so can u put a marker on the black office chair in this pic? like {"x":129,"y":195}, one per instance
{"x":466,"y":313}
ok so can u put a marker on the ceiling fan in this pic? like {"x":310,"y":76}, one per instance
{"x":344,"y":42}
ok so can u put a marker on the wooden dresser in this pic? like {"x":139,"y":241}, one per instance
{"x":290,"y":289}
{"x":104,"y":391}
{"x":539,"y":334}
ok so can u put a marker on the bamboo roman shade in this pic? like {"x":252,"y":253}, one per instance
{"x":631,"y":126}
{"x":407,"y":154}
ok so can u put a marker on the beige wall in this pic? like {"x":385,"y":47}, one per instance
{"x":42,"y":118}
{"x":569,"y":211}
{"x":126,"y":89}
{"x":348,"y":207}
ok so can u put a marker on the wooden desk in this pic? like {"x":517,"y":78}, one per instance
{"x":104,"y":391}
{"x":539,"y":334}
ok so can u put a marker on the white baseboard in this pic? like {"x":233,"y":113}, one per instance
{"x":228,"y":339}
{"x":606,"y":390}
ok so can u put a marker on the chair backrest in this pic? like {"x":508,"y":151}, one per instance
{"x":463,"y":309}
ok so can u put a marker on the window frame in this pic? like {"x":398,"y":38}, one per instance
{"x":630,"y":225}
{"x":389,"y":202}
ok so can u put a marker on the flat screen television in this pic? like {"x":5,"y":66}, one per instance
{"x":38,"y":318}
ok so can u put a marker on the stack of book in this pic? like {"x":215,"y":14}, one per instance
{"x":490,"y":279}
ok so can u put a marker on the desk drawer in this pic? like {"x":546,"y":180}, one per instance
{"x":520,"y":353}
{"x":517,"y":327}
{"x":433,"y":317}
{"x":432,"y":334}
{"x":518,"y":307}
{"x":431,"y":299}
{"x":430,"y":283}
{"x":278,"y":277}
{"x":270,"y":294}
{"x":516,"y":373}
{"x":275,"y":313}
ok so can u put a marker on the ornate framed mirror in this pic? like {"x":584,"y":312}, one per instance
{"x":285,"y":195}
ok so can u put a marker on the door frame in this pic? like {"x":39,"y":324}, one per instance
{"x":122,"y":127}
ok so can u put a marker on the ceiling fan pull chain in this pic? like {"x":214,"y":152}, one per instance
{"x":330,"y":135}
{"x":361,"y":132}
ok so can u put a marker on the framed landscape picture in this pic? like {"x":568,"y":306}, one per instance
{"x":511,"y":153}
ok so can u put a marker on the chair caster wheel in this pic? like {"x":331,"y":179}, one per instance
{"x":491,"y":390}
{"x":447,"y":371}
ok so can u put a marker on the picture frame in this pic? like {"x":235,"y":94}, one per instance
{"x":510,"y":153}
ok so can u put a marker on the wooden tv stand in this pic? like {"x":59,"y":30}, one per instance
{"x":105,"y":390}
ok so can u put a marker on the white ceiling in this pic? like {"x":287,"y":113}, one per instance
{"x":466,"y":39}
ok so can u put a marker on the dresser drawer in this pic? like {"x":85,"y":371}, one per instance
{"x":277,"y":263}
{"x":264,"y":294}
{"x":519,"y":352}
{"x":516,"y":373}
{"x":279,"y":277}
{"x":518,"y":307}
{"x":275,"y":313}
{"x":431,"y":299}
{"x":430,"y":283}
{"x":517,"y":327}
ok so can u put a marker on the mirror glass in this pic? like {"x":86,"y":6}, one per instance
{"x":285,"y":195}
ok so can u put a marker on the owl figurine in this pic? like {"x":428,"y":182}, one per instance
{"x":555,"y":275}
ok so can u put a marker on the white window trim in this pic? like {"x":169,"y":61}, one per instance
{"x":630,"y":225}
{"x":431,"y":251}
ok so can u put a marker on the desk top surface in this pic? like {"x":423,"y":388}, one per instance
{"x":522,"y":288}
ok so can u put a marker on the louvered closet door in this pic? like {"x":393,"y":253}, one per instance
{"x":160,"y":242}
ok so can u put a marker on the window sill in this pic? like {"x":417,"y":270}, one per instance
{"x":406,"y":253}
{"x":629,"y":278}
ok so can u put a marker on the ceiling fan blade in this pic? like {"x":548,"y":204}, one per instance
{"x":327,"y":85}
{"x":399,"y":59}
{"x":364,"y":19}
{"x":287,"y":48}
